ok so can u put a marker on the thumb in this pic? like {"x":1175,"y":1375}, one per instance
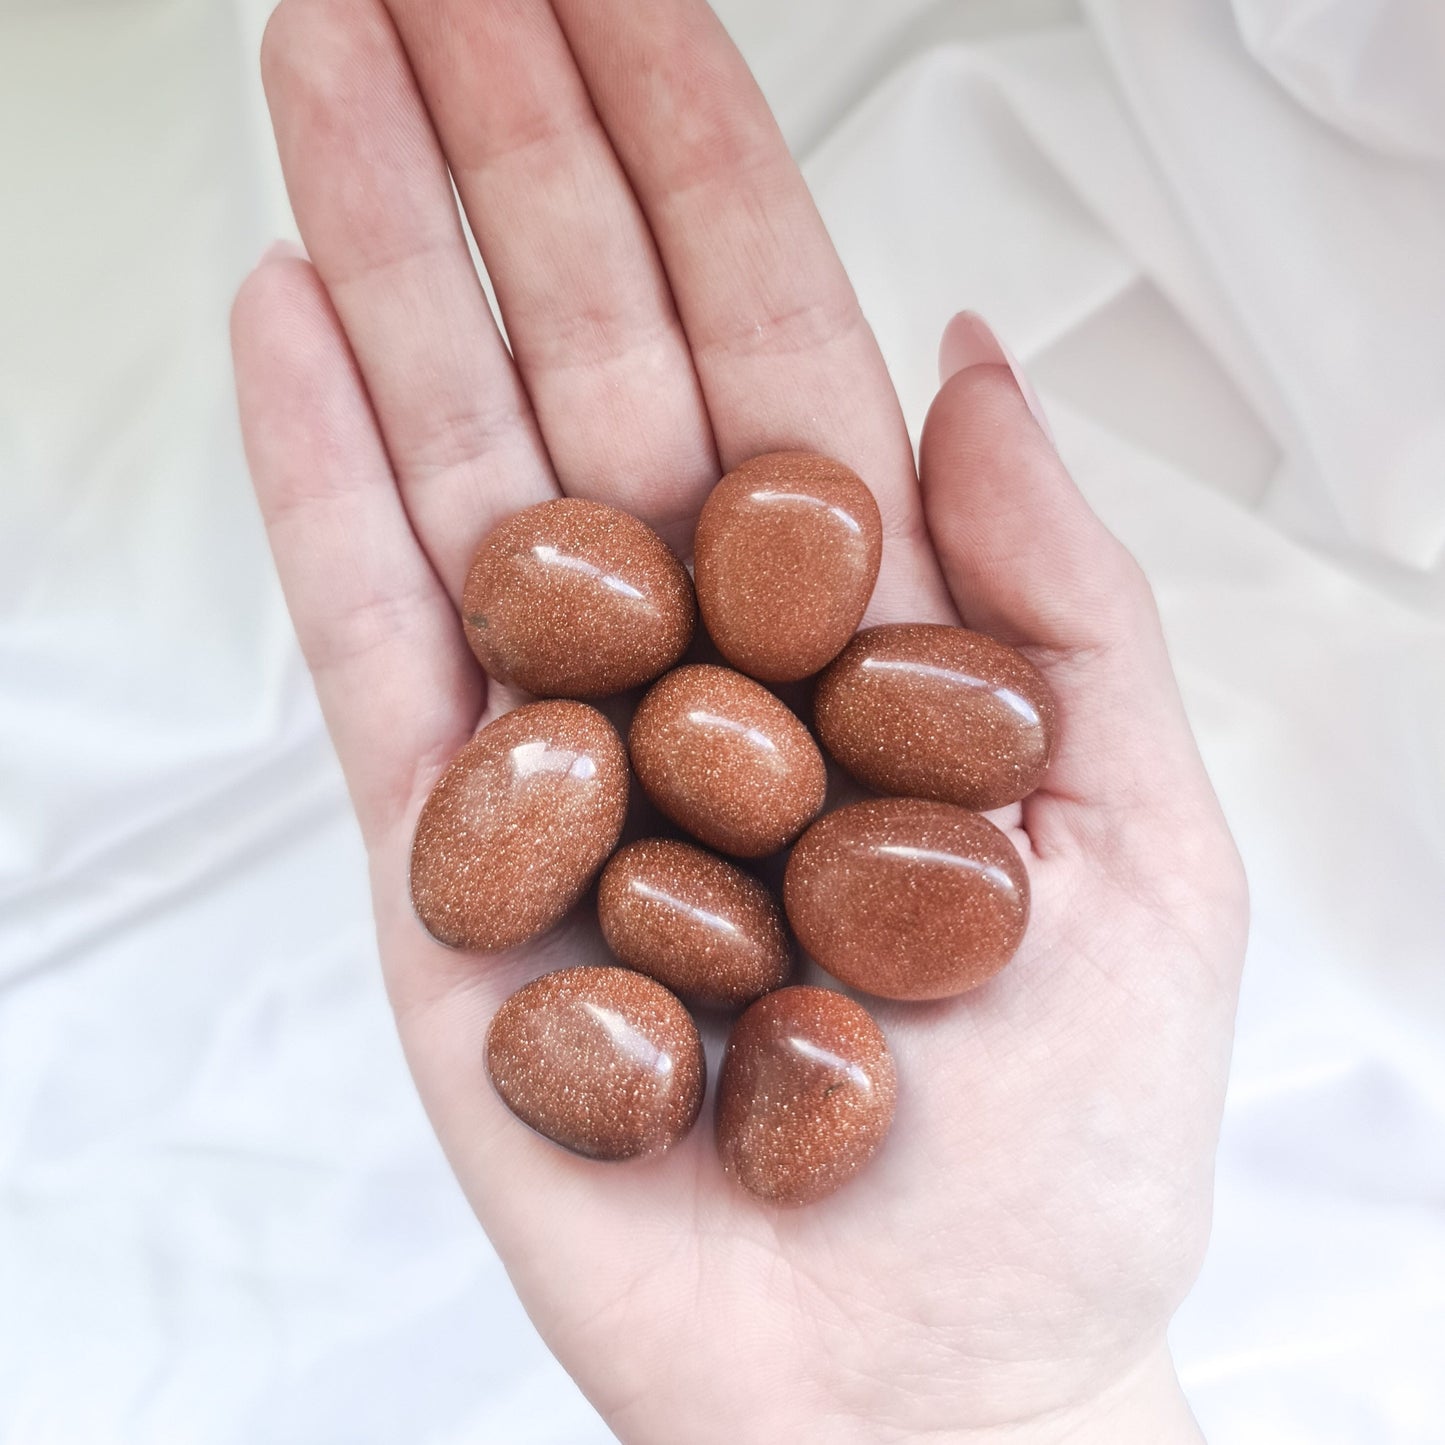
{"x":1024,"y":555}
{"x":1028,"y":561}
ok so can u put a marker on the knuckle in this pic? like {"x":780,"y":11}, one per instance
{"x":1133,"y":588}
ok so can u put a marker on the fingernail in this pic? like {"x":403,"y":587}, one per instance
{"x":968,"y":340}
{"x":282,"y":250}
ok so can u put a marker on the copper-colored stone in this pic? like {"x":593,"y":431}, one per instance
{"x":701,"y":926}
{"x":785,"y":558}
{"x":572,"y":598}
{"x":805,"y":1096}
{"x":518,"y":824}
{"x":907,"y":898}
{"x":937,"y":712}
{"x":723,"y":758}
{"x":603,"y":1061}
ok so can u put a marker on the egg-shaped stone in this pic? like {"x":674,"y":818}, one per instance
{"x":785,"y":558}
{"x":937,"y":712}
{"x":517,"y":825}
{"x":724,"y":759}
{"x":694,"y":922}
{"x":805,"y":1095}
{"x":602,"y":1061}
{"x":572,"y":598}
{"x":907,"y":898}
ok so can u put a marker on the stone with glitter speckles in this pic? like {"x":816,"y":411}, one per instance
{"x":517,"y":826}
{"x":572,"y":598}
{"x":722,"y":757}
{"x":937,"y":712}
{"x":694,"y":922}
{"x":785,"y":558}
{"x":603,"y":1061}
{"x":907,"y":898}
{"x":805,"y":1095}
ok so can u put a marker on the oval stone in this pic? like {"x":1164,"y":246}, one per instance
{"x":907,"y":898}
{"x":517,"y":826}
{"x":937,"y":712}
{"x":602,"y":1061}
{"x":785,"y":558}
{"x":685,"y":917}
{"x":723,"y":758}
{"x":572,"y":598}
{"x":805,"y":1095}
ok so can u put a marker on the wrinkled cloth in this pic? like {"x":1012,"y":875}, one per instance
{"x":1213,"y":234}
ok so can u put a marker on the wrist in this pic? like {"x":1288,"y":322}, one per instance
{"x":1144,"y":1406}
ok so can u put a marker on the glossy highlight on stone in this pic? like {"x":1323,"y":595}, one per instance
{"x":785,"y":558}
{"x":907,"y":898}
{"x":572,"y":598}
{"x":724,"y":759}
{"x":805,"y":1096}
{"x":602,"y":1061}
{"x":518,"y":824}
{"x":937,"y":712}
{"x":698,"y":924}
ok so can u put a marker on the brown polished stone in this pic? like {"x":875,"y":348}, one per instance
{"x":703,"y":927}
{"x":785,"y":558}
{"x":805,"y":1095}
{"x":572,"y":598}
{"x":603,"y":1061}
{"x":518,"y":824}
{"x":937,"y":712}
{"x":907,"y":898}
{"x":723,"y":758}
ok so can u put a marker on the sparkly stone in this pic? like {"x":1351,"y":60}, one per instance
{"x":518,"y":824}
{"x":907,"y":898}
{"x":805,"y":1096}
{"x":785,"y":558}
{"x":701,"y":926}
{"x":723,"y":758}
{"x":572,"y":598}
{"x":603,"y":1061}
{"x":937,"y":712}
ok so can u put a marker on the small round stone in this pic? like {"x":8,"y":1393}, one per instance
{"x":907,"y":898}
{"x":517,"y":826}
{"x":805,"y":1096}
{"x":937,"y":712}
{"x":723,"y":758}
{"x":694,"y":922}
{"x":572,"y":598}
{"x":785,"y":558}
{"x":602,"y":1061}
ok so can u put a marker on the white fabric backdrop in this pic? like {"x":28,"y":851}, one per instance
{"x":1214,"y":234}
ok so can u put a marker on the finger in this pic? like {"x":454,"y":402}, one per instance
{"x":1029,"y":562}
{"x":396,"y":683}
{"x":782,"y":351}
{"x":582,"y":293}
{"x":375,"y":206}
{"x":1025,"y":555}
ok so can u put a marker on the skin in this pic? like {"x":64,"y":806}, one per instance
{"x":1005,"y":1269}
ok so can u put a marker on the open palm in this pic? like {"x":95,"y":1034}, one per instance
{"x":1006,"y":1267}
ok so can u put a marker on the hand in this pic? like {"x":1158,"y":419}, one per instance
{"x":1006,"y":1267}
